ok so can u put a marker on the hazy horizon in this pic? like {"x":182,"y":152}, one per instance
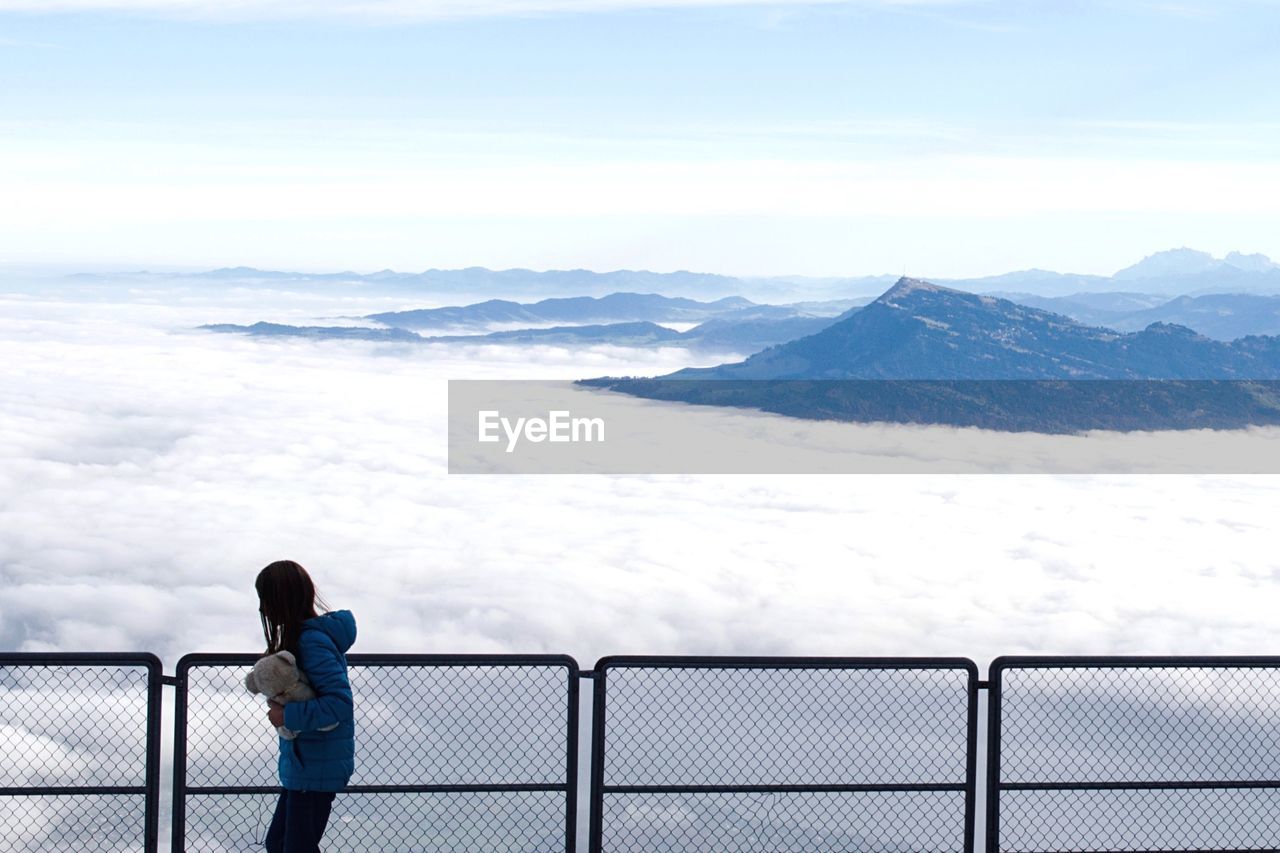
{"x":122,"y":268}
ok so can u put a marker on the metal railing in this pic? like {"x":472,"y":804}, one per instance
{"x":80,"y":740}
{"x":455,"y":753}
{"x":797,"y":754}
{"x":480,"y":753}
{"x":1114,"y":753}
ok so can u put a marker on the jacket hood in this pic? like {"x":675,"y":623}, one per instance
{"x":340,"y":625}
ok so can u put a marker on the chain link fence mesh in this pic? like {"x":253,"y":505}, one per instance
{"x":1121,"y":756}
{"x":1195,"y":747}
{"x":419,"y":725}
{"x":793,"y":822}
{"x":730,"y":730}
{"x":66,"y":729}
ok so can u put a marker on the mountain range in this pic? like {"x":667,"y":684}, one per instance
{"x":748,"y":334}
{"x":1222,"y":316}
{"x":737,"y":325}
{"x":919,"y":330}
{"x":347,"y":333}
{"x":1175,"y":272}
{"x":1189,"y":262}
{"x":931,"y":354}
{"x":613,"y":308}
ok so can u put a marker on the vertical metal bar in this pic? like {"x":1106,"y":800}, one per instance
{"x":994,"y":681}
{"x":971,"y":760}
{"x":597,"y":759}
{"x":180,"y":758}
{"x":571,"y":766}
{"x":151,"y":809}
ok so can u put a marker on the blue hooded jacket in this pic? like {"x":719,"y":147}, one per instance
{"x":316,"y":760}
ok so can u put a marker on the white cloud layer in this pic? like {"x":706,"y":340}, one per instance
{"x":147,"y":473}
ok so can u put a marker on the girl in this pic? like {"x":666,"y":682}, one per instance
{"x":317,"y":764}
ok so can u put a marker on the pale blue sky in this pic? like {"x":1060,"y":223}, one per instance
{"x":950,"y":138}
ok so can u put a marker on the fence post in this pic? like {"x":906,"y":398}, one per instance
{"x":571,"y":766}
{"x":994,"y":672}
{"x":178,"y":839}
{"x":155,"y":689}
{"x":597,"y":759}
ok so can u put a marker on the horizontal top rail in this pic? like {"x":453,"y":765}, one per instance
{"x":730,"y":662}
{"x":393,"y":659}
{"x":1100,"y":661}
{"x":80,"y":659}
{"x":368,"y":658}
{"x":8,"y":658}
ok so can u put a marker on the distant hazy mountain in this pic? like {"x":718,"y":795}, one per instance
{"x":1221,"y":316}
{"x":463,"y":283}
{"x":243,"y":273}
{"x":511,"y":283}
{"x":1250,"y":263}
{"x":722,"y":335}
{"x":1092,"y":309}
{"x":730,"y":335}
{"x":1173,"y":262}
{"x":1109,"y":302}
{"x":814,"y":288}
{"x":1171,"y":273}
{"x":960,"y":358}
{"x":614,"y":308}
{"x":586,"y":282}
{"x":1225,"y":279}
{"x":829,"y":307}
{"x":1038,"y":282}
{"x":1183,"y":262}
{"x":353,"y":333}
{"x":638,"y":334}
{"x":748,"y":334}
{"x":1187,"y":271}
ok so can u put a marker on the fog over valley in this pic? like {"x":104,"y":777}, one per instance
{"x":150,"y":469}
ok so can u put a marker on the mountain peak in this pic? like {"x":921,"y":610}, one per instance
{"x":1176,"y":330}
{"x":1171,"y":262}
{"x":1256,"y":262}
{"x":1184,"y":261}
{"x":907,"y":286}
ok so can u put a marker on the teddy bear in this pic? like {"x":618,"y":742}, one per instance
{"x":278,"y":678}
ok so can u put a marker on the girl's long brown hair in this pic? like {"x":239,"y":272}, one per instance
{"x":286,"y":598}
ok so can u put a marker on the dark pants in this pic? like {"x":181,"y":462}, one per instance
{"x":299,"y":822}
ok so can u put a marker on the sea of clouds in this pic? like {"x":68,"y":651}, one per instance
{"x":149,"y":470}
